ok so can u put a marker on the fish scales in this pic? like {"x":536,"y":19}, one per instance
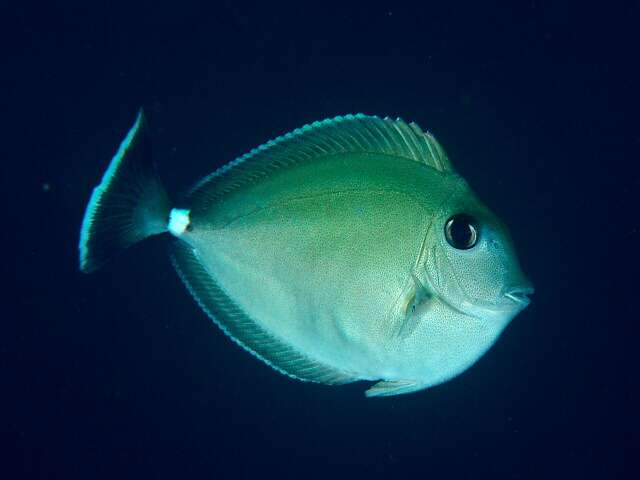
{"x":346,"y":250}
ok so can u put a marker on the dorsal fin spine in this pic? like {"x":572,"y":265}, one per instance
{"x":360,"y":138}
{"x":398,"y":125}
{"x":380,"y":135}
{"x":407,"y":134}
{"x":435,"y":155}
{"x":422,"y":148}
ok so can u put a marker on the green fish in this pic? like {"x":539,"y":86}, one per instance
{"x":346,"y":250}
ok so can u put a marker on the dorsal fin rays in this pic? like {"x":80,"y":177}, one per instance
{"x":357,"y":133}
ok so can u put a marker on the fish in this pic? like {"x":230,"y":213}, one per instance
{"x":348,"y":249}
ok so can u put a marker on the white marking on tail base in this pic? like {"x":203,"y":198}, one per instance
{"x":178,"y":221}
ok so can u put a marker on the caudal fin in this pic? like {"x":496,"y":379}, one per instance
{"x":129,"y":205}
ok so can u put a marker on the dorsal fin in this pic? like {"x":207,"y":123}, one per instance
{"x":345,"y":134}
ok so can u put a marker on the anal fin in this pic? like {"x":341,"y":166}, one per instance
{"x":242,"y":329}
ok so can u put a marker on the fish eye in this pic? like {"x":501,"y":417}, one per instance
{"x":461,"y":231}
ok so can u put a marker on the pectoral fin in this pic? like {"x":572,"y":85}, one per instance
{"x":397,"y":387}
{"x":411,"y":304}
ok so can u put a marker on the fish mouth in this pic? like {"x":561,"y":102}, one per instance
{"x":519,"y":295}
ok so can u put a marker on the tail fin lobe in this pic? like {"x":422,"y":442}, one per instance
{"x":129,"y":205}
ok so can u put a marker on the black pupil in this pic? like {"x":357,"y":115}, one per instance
{"x":461,"y":232}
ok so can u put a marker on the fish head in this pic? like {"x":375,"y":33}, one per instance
{"x":470,"y":262}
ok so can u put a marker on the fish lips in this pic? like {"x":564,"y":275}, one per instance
{"x":518,"y":295}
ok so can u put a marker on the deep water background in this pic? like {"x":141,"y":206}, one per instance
{"x":119,"y":375}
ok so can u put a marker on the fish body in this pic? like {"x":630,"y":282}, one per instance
{"x":330,"y":252}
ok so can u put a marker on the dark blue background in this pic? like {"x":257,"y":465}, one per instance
{"x":119,"y":374}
